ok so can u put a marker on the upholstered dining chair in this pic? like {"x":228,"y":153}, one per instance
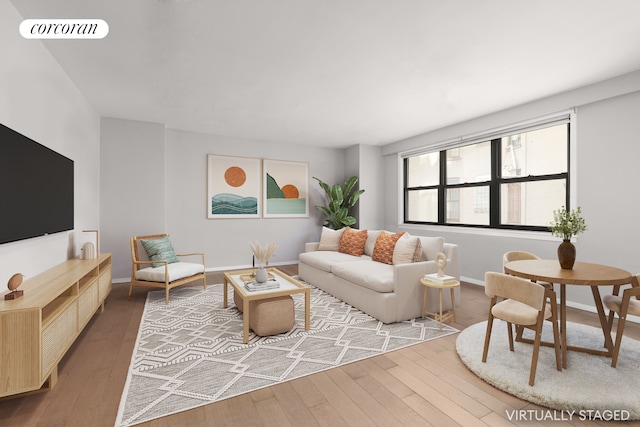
{"x":523,"y":255}
{"x":155,"y":264}
{"x":628,"y":303}
{"x":523,"y":303}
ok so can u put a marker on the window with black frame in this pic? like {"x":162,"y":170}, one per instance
{"x":510,"y":180}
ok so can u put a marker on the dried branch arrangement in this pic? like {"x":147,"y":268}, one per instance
{"x":262,"y":253}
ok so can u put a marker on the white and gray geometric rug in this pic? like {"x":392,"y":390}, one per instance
{"x":190,"y":353}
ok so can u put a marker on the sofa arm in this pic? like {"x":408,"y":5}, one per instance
{"x":311,"y":246}
{"x":408,"y":275}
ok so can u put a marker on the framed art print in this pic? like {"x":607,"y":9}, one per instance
{"x":285,"y":189}
{"x":233,"y":187}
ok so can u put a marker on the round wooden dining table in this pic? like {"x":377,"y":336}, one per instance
{"x":582,"y":274}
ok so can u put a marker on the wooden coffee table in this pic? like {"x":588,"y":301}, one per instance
{"x":288,"y":286}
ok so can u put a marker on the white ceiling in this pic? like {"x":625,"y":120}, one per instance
{"x":336,"y":72}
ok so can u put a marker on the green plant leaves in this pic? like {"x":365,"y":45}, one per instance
{"x":340,"y":199}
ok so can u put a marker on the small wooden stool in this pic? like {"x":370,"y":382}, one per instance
{"x":451,"y":285}
{"x":270,"y":316}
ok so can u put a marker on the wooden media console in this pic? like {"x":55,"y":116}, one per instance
{"x":37,"y":329}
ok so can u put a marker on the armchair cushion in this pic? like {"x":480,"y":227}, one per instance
{"x":159,"y":249}
{"x":177,"y":270}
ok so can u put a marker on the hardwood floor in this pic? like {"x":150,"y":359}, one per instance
{"x":422,"y":385}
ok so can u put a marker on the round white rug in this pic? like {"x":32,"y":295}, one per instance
{"x":589,"y":383}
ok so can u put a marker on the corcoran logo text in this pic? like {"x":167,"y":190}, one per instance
{"x":64,"y":29}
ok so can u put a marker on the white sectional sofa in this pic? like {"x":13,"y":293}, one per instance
{"x":388,"y":292}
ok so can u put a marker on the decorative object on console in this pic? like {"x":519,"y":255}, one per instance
{"x":340,"y":200}
{"x":97,"y":247}
{"x":88,"y":251}
{"x":262,"y":255}
{"x":14,"y":282}
{"x":567,"y":224}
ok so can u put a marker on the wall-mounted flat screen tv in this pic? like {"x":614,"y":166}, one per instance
{"x":36,"y":188}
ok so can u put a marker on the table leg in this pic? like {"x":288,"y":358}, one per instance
{"x":245,"y":319}
{"x":608,"y":342}
{"x":453,"y":304}
{"x":224,"y":298}
{"x":307,"y":313}
{"x":424,"y":302}
{"x":563,"y":323}
{"x":440,"y":308}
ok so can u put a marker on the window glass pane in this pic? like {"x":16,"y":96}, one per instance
{"x":468,"y":205}
{"x":469,"y":164}
{"x":531,"y":203}
{"x":423,"y":205}
{"x":539,"y":152}
{"x":424,"y":170}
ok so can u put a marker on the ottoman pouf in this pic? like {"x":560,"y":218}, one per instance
{"x":269,"y":316}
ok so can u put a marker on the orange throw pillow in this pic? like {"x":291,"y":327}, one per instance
{"x":353,"y":241}
{"x":385,"y":244}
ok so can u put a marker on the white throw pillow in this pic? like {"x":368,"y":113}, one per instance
{"x":431,"y":246}
{"x":330,"y":239}
{"x":372,"y":236}
{"x":408,"y":249}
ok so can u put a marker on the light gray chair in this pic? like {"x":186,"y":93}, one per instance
{"x":524,"y":303}
{"x":623,"y":305}
{"x":522,"y":255}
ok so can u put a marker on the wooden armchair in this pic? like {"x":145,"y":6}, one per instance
{"x":155,"y":264}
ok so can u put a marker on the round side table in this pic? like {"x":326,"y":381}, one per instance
{"x":449,"y":284}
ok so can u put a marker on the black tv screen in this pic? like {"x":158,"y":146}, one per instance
{"x":36,"y":188}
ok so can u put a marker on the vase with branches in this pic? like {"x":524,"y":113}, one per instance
{"x":565,"y":225}
{"x":261,"y":255}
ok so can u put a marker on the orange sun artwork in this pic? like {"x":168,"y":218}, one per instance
{"x":235,"y":176}
{"x":290,"y":191}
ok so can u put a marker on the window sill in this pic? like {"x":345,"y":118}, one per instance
{"x":493,"y":232}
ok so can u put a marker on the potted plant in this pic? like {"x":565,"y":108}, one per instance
{"x":341,"y":198}
{"x":565,"y":225}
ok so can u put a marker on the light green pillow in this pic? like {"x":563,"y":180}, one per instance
{"x":159,"y":249}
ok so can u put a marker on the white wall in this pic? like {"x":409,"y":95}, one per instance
{"x":132,"y":194}
{"x":607,"y":132}
{"x":39,"y":100}
{"x":154,"y":181}
{"x":365,"y":161}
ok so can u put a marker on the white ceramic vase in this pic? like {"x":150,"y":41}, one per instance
{"x":261,"y":275}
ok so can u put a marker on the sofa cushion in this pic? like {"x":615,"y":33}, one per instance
{"x":408,"y":249}
{"x":368,"y":274}
{"x":372,"y":236}
{"x":177,"y":270}
{"x":431,"y":246}
{"x":385,"y":244}
{"x":324,"y":260}
{"x":330,"y":239}
{"x":353,"y":241}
